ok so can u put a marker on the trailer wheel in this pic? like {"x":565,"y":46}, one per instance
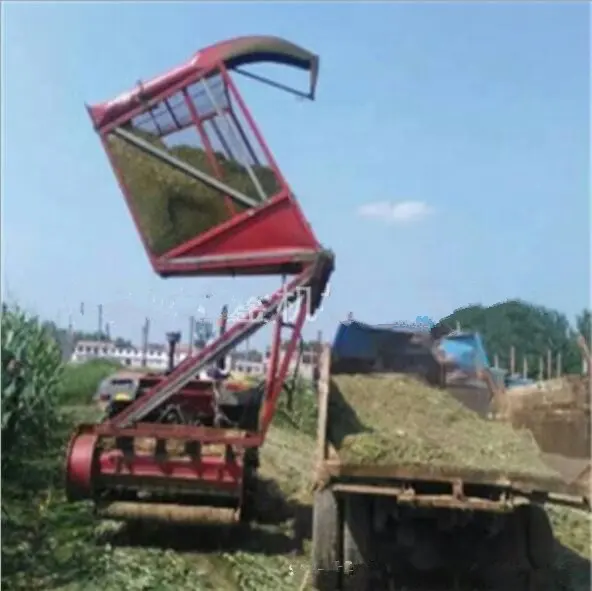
{"x":357,"y":543}
{"x":526,"y":550}
{"x":539,"y":546}
{"x":326,"y":538}
{"x":538,"y":536}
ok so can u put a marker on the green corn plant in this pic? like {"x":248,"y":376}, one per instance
{"x":31,"y":370}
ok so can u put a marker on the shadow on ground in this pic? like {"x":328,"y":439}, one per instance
{"x":572,"y":572}
{"x":278,"y":526}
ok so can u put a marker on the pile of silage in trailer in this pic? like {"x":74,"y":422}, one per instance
{"x":387,"y":419}
{"x":172,"y":207}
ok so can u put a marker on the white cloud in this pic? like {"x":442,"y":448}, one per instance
{"x":401,"y":212}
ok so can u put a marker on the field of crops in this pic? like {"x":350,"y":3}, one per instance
{"x":50,"y":545}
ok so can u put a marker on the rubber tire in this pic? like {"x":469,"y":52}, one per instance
{"x":539,"y":546}
{"x":326,"y":541}
{"x":357,"y":544}
{"x":538,"y":536}
{"x":529,"y":536}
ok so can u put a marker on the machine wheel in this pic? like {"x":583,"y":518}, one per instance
{"x":326,"y":541}
{"x":538,"y":535}
{"x":357,"y":544}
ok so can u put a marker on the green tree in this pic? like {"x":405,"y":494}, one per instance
{"x":531,"y":329}
{"x":123,"y":343}
{"x":584,"y":325}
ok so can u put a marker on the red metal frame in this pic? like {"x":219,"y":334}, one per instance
{"x":89,"y":469}
{"x":276,"y":234}
{"x":272,"y":238}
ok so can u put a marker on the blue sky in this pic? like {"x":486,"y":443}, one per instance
{"x":445,"y":161}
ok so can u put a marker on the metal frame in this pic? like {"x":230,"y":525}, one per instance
{"x":89,"y":468}
{"x":238,"y":246}
{"x":174,"y":262}
{"x":292,"y":216}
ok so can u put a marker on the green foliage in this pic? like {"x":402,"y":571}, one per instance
{"x":584,"y":326}
{"x":123,"y":343}
{"x":302,"y":415}
{"x":79,"y":382}
{"x":37,"y":537}
{"x":532,"y":330}
{"x":31,"y":368}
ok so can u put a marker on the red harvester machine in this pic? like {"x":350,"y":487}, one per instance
{"x":125,"y":463}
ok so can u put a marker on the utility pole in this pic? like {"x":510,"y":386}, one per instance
{"x":69,"y":349}
{"x":100,"y":322}
{"x":191,"y":334}
{"x":145,"y":331}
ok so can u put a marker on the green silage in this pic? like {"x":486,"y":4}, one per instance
{"x":170,"y":206}
{"x":395,"y":419}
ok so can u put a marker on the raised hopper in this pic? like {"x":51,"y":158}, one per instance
{"x":204,"y":190}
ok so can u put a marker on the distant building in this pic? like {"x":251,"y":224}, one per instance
{"x":156,"y":355}
{"x":245,"y":367}
{"x":157,"y":358}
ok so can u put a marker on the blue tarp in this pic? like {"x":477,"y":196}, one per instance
{"x":364,"y":341}
{"x":467,"y":350}
{"x":358,"y":340}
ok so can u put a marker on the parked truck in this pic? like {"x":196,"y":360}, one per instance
{"x":401,"y":527}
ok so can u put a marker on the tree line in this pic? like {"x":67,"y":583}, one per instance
{"x":532,"y":330}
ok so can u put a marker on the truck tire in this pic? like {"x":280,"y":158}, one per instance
{"x":326,"y":541}
{"x":357,"y":541}
{"x":526,"y":551}
{"x":539,"y":546}
{"x":538,"y":535}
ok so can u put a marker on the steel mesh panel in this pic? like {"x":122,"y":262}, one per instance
{"x":171,"y":206}
{"x":173,"y":114}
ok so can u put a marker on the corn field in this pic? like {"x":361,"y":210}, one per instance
{"x":31,"y":372}
{"x":42,"y":538}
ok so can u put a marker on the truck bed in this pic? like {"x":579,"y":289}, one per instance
{"x":423,"y":483}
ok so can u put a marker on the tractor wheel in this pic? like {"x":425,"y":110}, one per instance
{"x":357,"y":543}
{"x":326,"y":541}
